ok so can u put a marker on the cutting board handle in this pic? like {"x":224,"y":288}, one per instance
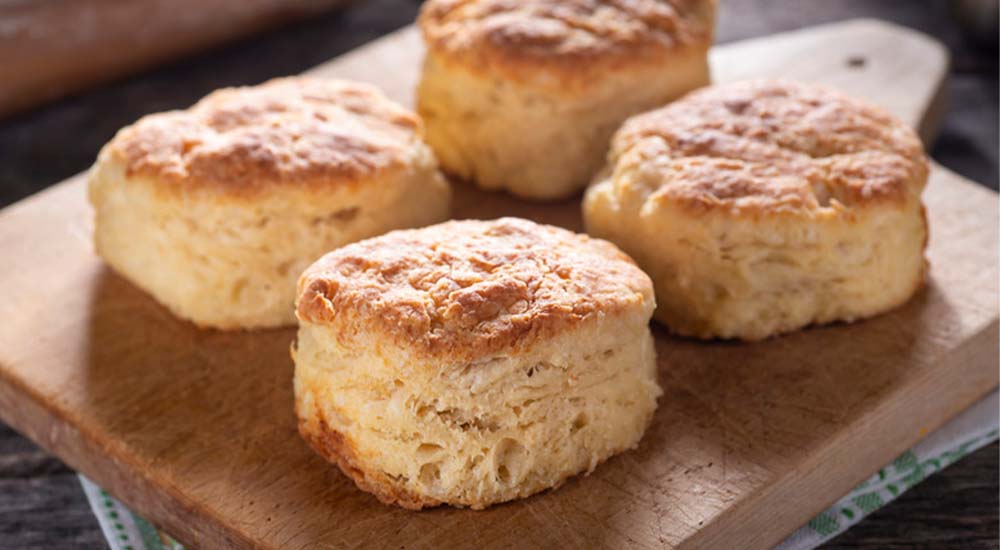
{"x":892,"y":66}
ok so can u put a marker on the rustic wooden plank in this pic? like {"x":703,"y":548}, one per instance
{"x":194,"y":428}
{"x":34,"y":484}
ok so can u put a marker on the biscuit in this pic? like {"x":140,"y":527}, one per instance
{"x":524,"y":96}
{"x":473,"y":362}
{"x":217,"y":209}
{"x":762,"y":207}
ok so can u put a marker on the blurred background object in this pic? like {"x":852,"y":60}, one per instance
{"x":978,"y":19}
{"x":51,"y":48}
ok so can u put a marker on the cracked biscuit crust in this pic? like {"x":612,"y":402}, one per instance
{"x":468,"y":289}
{"x":297,"y":132}
{"x":769,"y":147}
{"x":572,"y":40}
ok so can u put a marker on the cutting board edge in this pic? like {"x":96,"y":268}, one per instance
{"x":979,"y":375}
{"x":111,"y":467}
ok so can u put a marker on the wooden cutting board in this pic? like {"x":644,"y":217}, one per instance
{"x":194,"y":429}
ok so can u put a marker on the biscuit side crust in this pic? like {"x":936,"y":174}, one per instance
{"x":234,"y":264}
{"x":417,"y":431}
{"x":334,"y":447}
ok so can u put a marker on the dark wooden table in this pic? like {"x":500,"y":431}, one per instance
{"x":41,"y":504}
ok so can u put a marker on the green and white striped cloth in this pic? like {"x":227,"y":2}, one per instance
{"x":123,"y":528}
{"x":974,"y":428}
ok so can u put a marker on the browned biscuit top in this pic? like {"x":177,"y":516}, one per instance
{"x":470,"y":289}
{"x":769,"y":146}
{"x":300,"y":131}
{"x":565,"y":37}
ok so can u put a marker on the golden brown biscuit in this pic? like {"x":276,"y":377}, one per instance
{"x":217,"y":209}
{"x":762,"y":207}
{"x":524,"y":96}
{"x":473,"y":362}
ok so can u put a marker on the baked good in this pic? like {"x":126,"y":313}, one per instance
{"x":524,"y":96}
{"x":473,"y":362}
{"x":217,"y":209}
{"x":762,"y":207}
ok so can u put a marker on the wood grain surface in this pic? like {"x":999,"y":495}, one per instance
{"x":194,"y":428}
